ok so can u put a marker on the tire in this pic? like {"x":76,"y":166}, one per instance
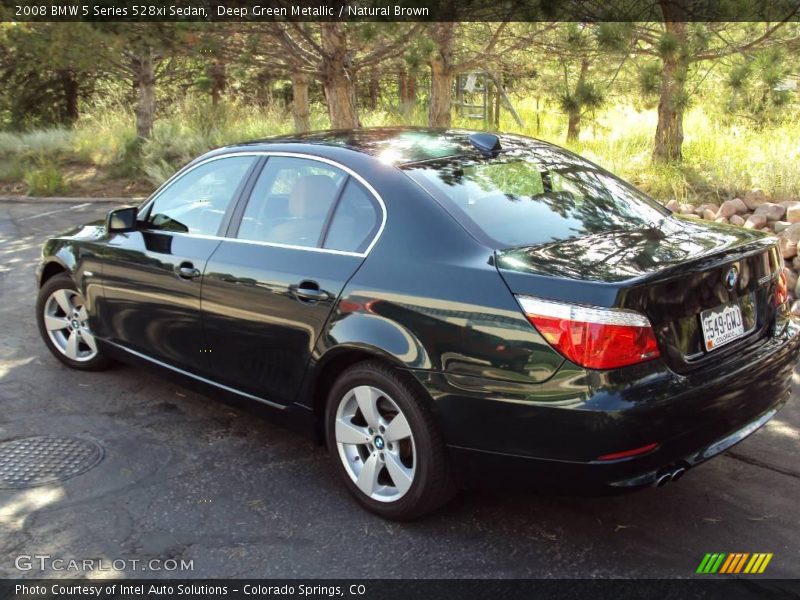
{"x":73,"y":344}
{"x":398,"y":470}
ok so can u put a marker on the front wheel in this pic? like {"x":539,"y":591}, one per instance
{"x":385,"y":443}
{"x":63,"y":324}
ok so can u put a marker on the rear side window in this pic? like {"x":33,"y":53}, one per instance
{"x":520,"y":198}
{"x":291,"y":201}
{"x":355,"y":221}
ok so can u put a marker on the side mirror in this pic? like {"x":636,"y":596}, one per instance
{"x":121,"y":219}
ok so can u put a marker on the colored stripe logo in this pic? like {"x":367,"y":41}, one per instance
{"x":736,"y":562}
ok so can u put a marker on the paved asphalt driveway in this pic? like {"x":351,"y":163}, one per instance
{"x":185,"y":477}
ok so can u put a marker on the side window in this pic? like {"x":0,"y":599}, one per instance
{"x":355,"y":220}
{"x":291,"y":201}
{"x":196,"y":202}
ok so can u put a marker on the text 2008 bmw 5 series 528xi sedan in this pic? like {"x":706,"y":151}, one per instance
{"x":441,"y":308}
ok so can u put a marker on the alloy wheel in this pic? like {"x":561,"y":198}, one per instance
{"x":65,"y":320}
{"x":375,"y":443}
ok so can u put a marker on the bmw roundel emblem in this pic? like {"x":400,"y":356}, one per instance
{"x":732,"y":277}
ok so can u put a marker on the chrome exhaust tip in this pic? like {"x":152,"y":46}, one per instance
{"x":663,"y":480}
{"x":678,"y":473}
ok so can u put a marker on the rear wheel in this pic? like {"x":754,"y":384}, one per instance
{"x":63,"y":324}
{"x":385,"y":443}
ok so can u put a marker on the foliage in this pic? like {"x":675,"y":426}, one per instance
{"x":44,"y":179}
{"x":72,"y":93}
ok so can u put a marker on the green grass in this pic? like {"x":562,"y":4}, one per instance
{"x":721,"y":159}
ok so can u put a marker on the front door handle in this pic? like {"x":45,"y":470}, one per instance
{"x":186,"y":270}
{"x":309,"y":291}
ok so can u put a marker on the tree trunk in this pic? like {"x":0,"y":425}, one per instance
{"x":337,"y":78}
{"x":441,"y":64}
{"x":146,"y":94}
{"x":402,"y":86}
{"x":574,"y":126}
{"x":70,"y":88}
{"x":300,"y":83}
{"x":407,"y":91}
{"x":374,"y":89}
{"x":411,"y":91}
{"x":498,"y":95}
{"x":263,"y":92}
{"x":219,"y":80}
{"x":574,"y":121}
{"x":669,"y":131}
{"x":441,"y":95}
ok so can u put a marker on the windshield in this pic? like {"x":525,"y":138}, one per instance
{"x":535,"y":196}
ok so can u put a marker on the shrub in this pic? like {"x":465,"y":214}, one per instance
{"x":11,"y":170}
{"x":45,"y":179}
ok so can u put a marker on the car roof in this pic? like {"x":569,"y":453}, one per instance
{"x":395,"y":145}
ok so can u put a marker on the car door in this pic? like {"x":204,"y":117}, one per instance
{"x":152,"y":276}
{"x":269,"y":289}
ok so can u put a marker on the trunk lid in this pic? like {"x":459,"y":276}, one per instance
{"x":671,"y":272}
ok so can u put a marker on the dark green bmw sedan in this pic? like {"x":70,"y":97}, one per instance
{"x":441,"y":308}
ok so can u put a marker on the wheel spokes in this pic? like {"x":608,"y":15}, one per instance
{"x":52,"y":323}
{"x":88,"y":339}
{"x":367,"y":399}
{"x":367,"y":480}
{"x":83,"y":316}
{"x":71,"y":349}
{"x":348,"y":433}
{"x":401,"y":475}
{"x":64,"y":301}
{"x":398,"y":429}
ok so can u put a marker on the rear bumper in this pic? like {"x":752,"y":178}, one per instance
{"x":518,"y":436}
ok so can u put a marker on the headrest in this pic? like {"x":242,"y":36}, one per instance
{"x":311,"y":196}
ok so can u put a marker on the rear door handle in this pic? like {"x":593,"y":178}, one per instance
{"x":309,"y":291}
{"x":186,"y":270}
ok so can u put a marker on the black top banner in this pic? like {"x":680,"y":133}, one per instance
{"x":400,"y":10}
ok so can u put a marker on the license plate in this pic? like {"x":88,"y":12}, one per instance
{"x":722,"y":325}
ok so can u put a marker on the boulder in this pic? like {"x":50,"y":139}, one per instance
{"x":788,"y":247}
{"x":731,"y":207}
{"x":791,"y":278}
{"x":779,"y":226}
{"x":755,"y":198}
{"x":737,"y":220}
{"x":673,"y":205}
{"x":687,"y":209}
{"x":773,"y":212}
{"x":706,"y":206}
{"x":793,"y":212}
{"x":755,"y":221}
{"x":709,"y":215}
{"x":720,"y":220}
{"x":792,"y":232}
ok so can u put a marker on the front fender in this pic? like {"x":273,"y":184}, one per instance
{"x":81,"y":259}
{"x":55,"y":257}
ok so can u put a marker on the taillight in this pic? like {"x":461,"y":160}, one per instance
{"x":595,"y":338}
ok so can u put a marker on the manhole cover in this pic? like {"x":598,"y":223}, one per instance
{"x":28,"y":462}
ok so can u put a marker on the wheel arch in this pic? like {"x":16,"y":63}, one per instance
{"x":51,"y":268}
{"x":332,"y":364}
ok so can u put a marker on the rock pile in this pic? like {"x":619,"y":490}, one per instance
{"x":755,"y":211}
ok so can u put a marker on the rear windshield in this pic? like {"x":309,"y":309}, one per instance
{"x":534,"y":196}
